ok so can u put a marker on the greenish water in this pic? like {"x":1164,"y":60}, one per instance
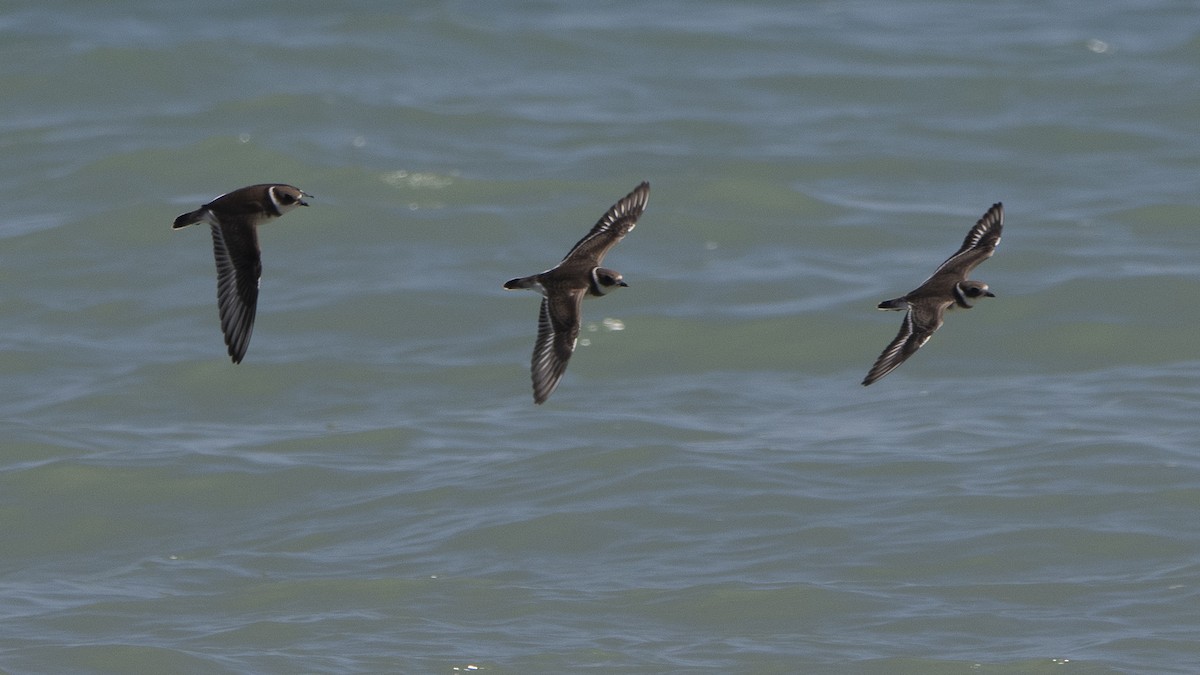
{"x":709,"y":490}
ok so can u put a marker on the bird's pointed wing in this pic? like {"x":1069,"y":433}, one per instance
{"x":239,"y":268}
{"x":558,"y":329}
{"x":615,"y":224}
{"x":979,"y":244}
{"x":915,"y":331}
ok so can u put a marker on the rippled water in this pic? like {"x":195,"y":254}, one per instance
{"x":710,"y":489}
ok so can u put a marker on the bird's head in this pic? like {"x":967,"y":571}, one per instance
{"x":604,"y":280}
{"x":966,"y":291}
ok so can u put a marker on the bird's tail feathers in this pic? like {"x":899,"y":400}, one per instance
{"x":521,"y":282}
{"x":190,"y":218}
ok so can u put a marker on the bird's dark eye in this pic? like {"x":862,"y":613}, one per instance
{"x":287,"y":199}
{"x":974,"y":292}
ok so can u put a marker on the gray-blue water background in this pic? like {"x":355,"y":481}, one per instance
{"x":710,"y":489}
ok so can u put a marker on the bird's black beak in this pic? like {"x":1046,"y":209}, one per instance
{"x":304,"y":194}
{"x":622,"y":283}
{"x":989,"y":294}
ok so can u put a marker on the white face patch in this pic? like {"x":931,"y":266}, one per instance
{"x":274,"y":199}
{"x":279,"y":208}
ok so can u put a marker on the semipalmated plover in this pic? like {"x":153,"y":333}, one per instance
{"x":235,"y":217}
{"x":946,"y":289}
{"x":564,"y":286}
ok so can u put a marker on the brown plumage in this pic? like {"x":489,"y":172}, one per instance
{"x":564,"y":286}
{"x":234,"y":218}
{"x":947,"y":287}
